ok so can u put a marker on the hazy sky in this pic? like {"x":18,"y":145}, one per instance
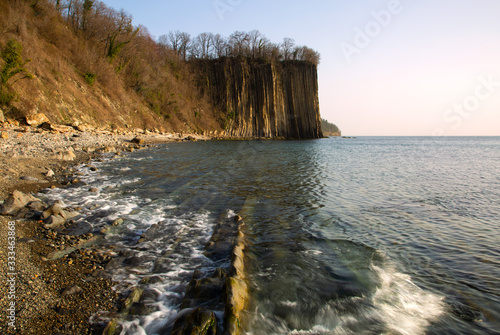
{"x":388,"y":67}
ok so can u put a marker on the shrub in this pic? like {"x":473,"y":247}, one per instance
{"x":13,"y":66}
{"x":90,"y":78}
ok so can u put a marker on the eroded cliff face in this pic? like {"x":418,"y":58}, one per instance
{"x":260,"y":99}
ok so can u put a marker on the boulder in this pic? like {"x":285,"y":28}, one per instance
{"x":55,"y":209}
{"x":4,"y":135}
{"x":15,"y":202}
{"x":66,"y":155}
{"x":2,"y":118}
{"x":54,"y":221}
{"x":36,"y":120}
{"x":138,"y":140}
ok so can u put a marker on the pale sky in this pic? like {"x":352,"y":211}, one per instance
{"x":388,"y":67}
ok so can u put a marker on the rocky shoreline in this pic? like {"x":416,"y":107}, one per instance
{"x":57,"y":280}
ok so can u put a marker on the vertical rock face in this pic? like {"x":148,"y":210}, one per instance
{"x":261,"y":99}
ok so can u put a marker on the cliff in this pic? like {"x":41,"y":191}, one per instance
{"x":263,"y":99}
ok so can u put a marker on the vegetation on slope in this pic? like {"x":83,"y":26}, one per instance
{"x":329,"y":129}
{"x":89,"y":64}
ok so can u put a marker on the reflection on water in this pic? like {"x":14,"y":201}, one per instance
{"x":364,"y":236}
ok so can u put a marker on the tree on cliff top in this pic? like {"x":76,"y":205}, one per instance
{"x":253,"y":45}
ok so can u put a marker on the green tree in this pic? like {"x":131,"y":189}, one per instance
{"x":14,"y":65}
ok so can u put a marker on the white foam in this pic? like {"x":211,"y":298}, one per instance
{"x":403,"y":306}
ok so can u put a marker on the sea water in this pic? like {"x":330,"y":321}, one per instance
{"x":370,"y":235}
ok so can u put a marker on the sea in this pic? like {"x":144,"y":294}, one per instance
{"x":367,"y":235}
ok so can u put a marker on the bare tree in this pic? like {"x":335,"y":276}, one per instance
{"x":239,"y":43}
{"x":202,"y":45}
{"x":287,"y":48}
{"x":219,"y":46}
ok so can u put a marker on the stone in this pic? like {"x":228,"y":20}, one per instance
{"x":2,"y":118}
{"x":54,"y":221}
{"x":37,"y":206}
{"x":94,"y":190}
{"x":29,"y":178}
{"x":4,"y":135}
{"x":72,"y":290}
{"x":15,"y":202}
{"x":36,"y":120}
{"x":50,"y":173}
{"x":134,"y":296}
{"x":55,"y":209}
{"x":138,"y":140}
{"x":77,"y":229}
{"x":66,"y":155}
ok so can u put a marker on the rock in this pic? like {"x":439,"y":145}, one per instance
{"x":4,"y":135}
{"x":133,"y":297}
{"x":66,"y":155}
{"x":138,"y":140}
{"x":54,"y":221}
{"x":199,"y":322}
{"x":37,"y":206}
{"x":50,"y":173}
{"x":15,"y":202}
{"x":29,"y":178}
{"x":94,"y":190}
{"x":77,"y":229}
{"x":36,"y":120}
{"x":113,"y":328}
{"x":108,"y":150}
{"x":117,"y":222}
{"x":71,"y":291}
{"x":2,"y":118}
{"x":55,"y":209}
{"x":140,"y":308}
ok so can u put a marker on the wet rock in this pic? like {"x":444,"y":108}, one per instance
{"x":113,"y":328}
{"x":199,"y":322}
{"x":117,"y":222}
{"x":133,"y":261}
{"x":36,"y":120}
{"x":77,"y":229}
{"x":140,"y":308}
{"x":72,"y":290}
{"x":202,"y":291}
{"x":15,"y":202}
{"x":134,"y":296}
{"x":37,"y":206}
{"x":151,"y":280}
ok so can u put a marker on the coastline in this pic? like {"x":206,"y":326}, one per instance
{"x":58,"y":295}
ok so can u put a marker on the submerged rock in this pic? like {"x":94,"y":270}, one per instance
{"x":199,"y":322}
